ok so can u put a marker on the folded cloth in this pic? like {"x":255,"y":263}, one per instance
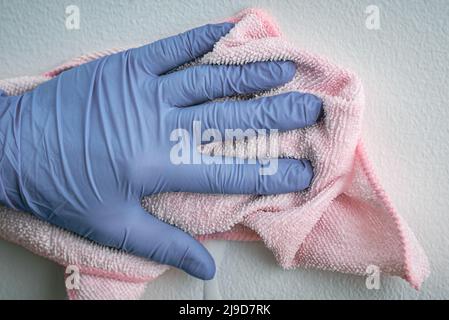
{"x":344,"y":222}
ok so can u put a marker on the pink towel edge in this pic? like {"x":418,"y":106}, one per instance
{"x":413,"y":278}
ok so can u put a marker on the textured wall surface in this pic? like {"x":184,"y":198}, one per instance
{"x":405,"y":69}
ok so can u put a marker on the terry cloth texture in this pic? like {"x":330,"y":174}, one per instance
{"x":344,"y":222}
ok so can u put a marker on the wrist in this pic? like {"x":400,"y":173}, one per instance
{"x":9,"y":152}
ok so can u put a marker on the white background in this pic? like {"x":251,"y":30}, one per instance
{"x":404,"y":67}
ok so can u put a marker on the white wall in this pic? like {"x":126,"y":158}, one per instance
{"x":404,"y":66}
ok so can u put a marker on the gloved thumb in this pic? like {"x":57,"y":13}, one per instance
{"x":142,"y":234}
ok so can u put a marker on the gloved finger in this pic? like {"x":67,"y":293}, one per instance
{"x":274,"y":177}
{"x":287,"y":111}
{"x":138,"y":232}
{"x":199,"y":84}
{"x":164,"y":55}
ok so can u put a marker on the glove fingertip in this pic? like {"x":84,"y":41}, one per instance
{"x":225,"y":27}
{"x":199,"y":263}
{"x":215,"y":31}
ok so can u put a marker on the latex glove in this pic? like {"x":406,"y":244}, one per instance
{"x":81,"y":150}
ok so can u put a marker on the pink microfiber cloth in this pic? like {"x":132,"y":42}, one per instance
{"x":343,"y":223}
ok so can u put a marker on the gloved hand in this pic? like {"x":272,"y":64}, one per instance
{"x":81,"y":150}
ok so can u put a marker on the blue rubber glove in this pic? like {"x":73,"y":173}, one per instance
{"x":81,"y":150}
